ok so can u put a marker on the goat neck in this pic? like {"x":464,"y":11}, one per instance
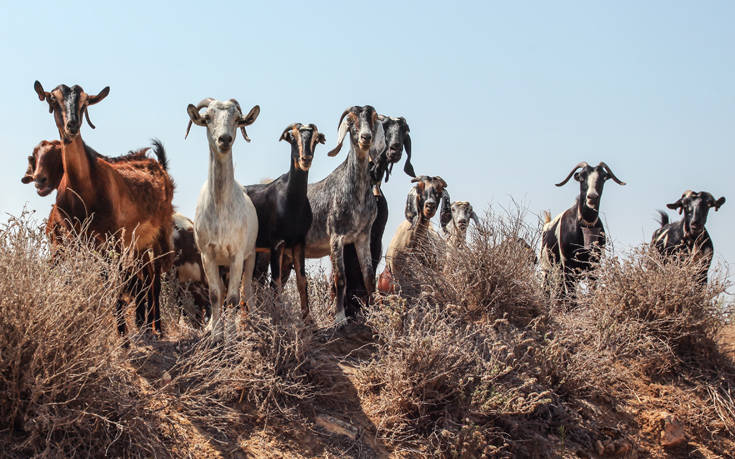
{"x":221,"y":177}
{"x":77,"y":168}
{"x":297,"y":182}
{"x":586,"y":215}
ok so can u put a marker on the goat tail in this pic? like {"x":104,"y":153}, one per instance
{"x":160,"y":153}
{"x":547,"y":217}
{"x":663,"y":218}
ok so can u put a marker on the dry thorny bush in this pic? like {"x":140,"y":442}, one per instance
{"x":264,"y":365}
{"x":492,"y":276}
{"x":66,"y":386}
{"x":479,"y":362}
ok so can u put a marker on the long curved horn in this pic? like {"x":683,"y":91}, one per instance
{"x":242,"y":128}
{"x":203,"y":103}
{"x":344,"y":126}
{"x":582,"y":164}
{"x":86,"y":115}
{"x":609,"y":171}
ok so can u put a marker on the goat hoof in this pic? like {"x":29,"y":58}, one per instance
{"x":340,"y":319}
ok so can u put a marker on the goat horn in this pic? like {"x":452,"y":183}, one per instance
{"x":419,"y":178}
{"x":582,"y":164}
{"x":86,"y":115}
{"x":343,"y":127}
{"x":609,"y":171}
{"x":203,"y":103}
{"x":288,"y":128}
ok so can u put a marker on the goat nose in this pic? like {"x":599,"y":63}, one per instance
{"x":225,"y":139}
{"x":366,"y":137}
{"x":42,"y":180}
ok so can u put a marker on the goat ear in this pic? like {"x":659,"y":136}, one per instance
{"x":719,"y":203}
{"x":194,"y":117}
{"x":412,"y":205}
{"x":28,"y":177}
{"x":321,"y":139}
{"x":91,"y":100}
{"x":42,"y":95}
{"x":286,"y":136}
{"x":250,"y":118}
{"x":577,"y":177}
{"x":408,"y":168}
{"x":445,"y":210}
{"x":344,"y":126}
{"x":379,"y":139}
{"x":675,"y":205}
{"x":473,"y":217}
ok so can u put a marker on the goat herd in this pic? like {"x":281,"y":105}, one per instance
{"x":248,"y":229}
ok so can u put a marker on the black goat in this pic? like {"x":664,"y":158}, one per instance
{"x":575,"y":238}
{"x":688,"y":235}
{"x":397,"y":138}
{"x":284,"y":213}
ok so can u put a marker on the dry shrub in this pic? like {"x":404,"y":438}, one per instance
{"x":646,"y":322}
{"x":265,"y":366}
{"x":448,"y":387}
{"x":66,"y":386}
{"x":493,"y":276}
{"x":654,"y":307}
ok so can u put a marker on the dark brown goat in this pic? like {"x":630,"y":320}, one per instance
{"x":129,"y":200}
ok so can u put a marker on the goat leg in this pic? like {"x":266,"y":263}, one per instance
{"x":364,"y":255}
{"x":247,"y":283}
{"x":336,"y":254}
{"x":298,"y":260}
{"x":214,"y":282}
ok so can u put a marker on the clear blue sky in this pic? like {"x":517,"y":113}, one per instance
{"x":502,"y":98}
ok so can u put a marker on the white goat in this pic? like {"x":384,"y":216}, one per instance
{"x":226,"y":223}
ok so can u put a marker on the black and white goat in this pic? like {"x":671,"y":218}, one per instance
{"x":284,"y":212}
{"x":575,"y":238}
{"x":397,"y":138}
{"x":415,"y":236}
{"x":688,"y":235}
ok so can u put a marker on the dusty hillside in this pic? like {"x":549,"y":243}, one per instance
{"x":478,"y":364}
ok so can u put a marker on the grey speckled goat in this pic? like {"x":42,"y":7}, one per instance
{"x":343,"y":205}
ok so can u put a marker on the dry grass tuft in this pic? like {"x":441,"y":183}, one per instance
{"x":493,"y":276}
{"x":264,"y":368}
{"x":66,"y":386}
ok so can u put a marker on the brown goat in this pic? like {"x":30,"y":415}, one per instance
{"x":129,"y":200}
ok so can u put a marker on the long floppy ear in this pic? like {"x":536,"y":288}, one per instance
{"x":247,"y":120}
{"x":719,"y":203}
{"x":445,"y":212}
{"x":408,"y":167}
{"x":344,"y":126}
{"x":412,"y":204}
{"x":91,"y":100}
{"x":321,"y":139}
{"x":675,"y":205}
{"x":473,"y":216}
{"x":379,"y":138}
{"x":28,"y":177}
